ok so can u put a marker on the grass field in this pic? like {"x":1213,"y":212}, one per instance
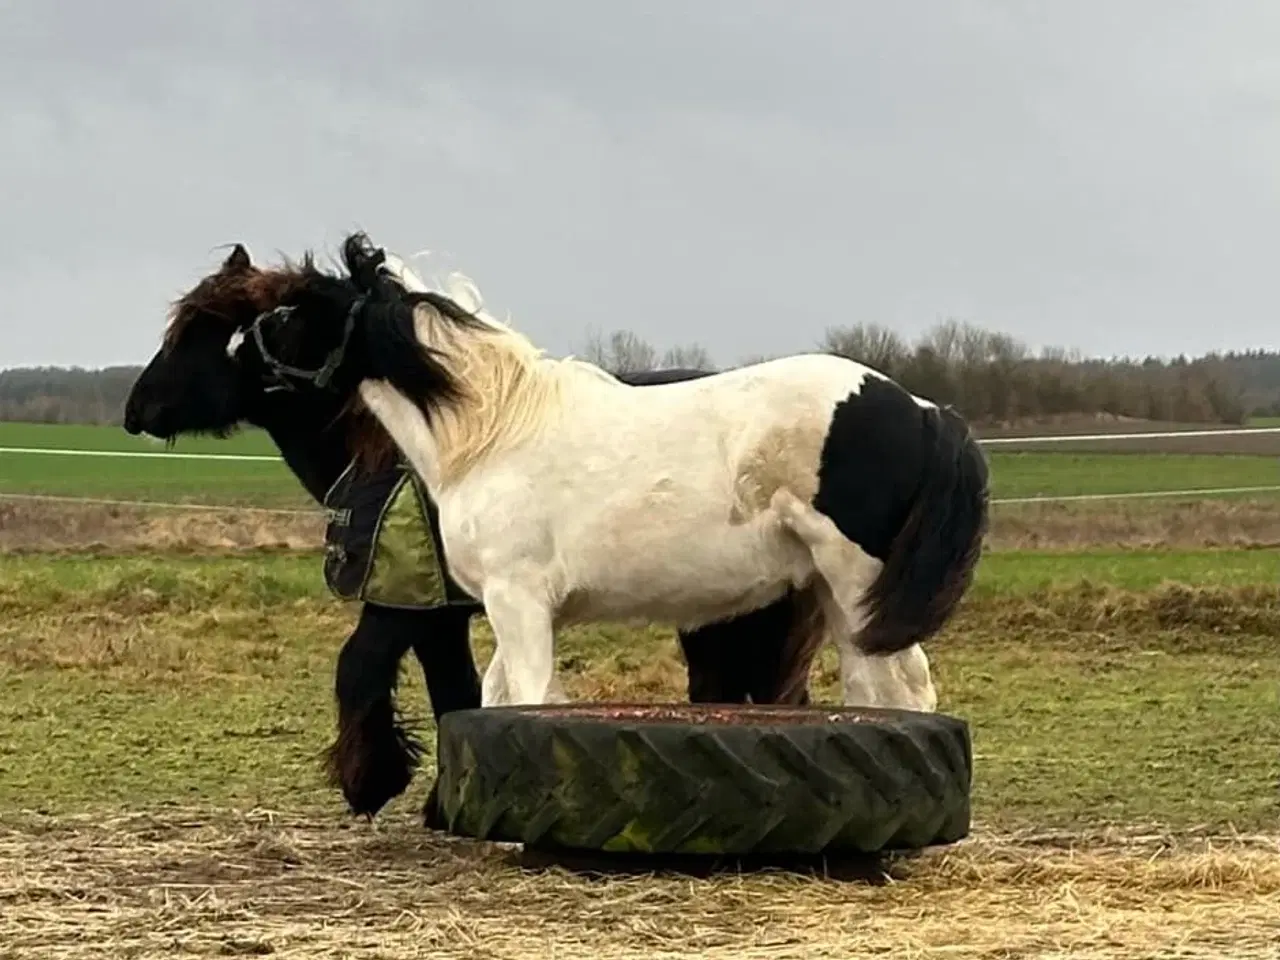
{"x":1015,"y":474}
{"x":160,"y":792}
{"x":164,"y":698}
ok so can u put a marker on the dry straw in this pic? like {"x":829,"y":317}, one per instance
{"x":266,"y":885}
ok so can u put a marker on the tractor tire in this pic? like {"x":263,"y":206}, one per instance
{"x":704,"y":779}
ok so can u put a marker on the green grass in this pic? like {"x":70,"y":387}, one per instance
{"x":271,"y":484}
{"x":145,"y":681}
{"x":169,"y":481}
{"x":257,"y":483}
{"x":273,"y":577}
{"x":1067,"y":474}
{"x":72,"y":436}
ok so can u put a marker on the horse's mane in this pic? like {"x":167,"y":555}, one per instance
{"x":462,"y":290}
{"x":223,"y":293}
{"x":507,"y":385}
{"x":234,"y":291}
{"x":496,"y":367}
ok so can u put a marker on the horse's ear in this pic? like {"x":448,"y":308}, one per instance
{"x":238,"y":260}
{"x":362,"y":260}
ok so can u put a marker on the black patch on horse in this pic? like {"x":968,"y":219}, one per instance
{"x":908,"y":484}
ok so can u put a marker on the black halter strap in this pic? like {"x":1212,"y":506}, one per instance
{"x":282,"y":371}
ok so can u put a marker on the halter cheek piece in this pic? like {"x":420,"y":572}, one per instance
{"x":281,"y":371}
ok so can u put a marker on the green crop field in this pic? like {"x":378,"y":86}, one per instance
{"x":70,"y":436}
{"x":260,"y":483}
{"x":269,"y":483}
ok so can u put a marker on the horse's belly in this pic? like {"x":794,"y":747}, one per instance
{"x":688,"y":580}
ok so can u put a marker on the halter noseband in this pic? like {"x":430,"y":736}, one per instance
{"x":282,"y":371}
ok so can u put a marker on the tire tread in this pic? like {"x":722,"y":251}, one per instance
{"x":900,"y":781}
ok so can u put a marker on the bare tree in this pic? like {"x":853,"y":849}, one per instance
{"x":630,"y":354}
{"x":878,"y":347}
{"x":624,"y":352}
{"x":692,"y":357}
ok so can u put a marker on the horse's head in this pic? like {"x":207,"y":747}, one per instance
{"x":233,"y":347}
{"x":293,"y":343}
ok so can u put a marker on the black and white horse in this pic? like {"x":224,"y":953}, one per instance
{"x":566,"y":495}
{"x":206,"y":379}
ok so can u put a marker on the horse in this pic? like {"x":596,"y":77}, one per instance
{"x":206,"y":379}
{"x":566,"y":495}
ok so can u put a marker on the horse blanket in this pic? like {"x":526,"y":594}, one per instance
{"x":382,"y":542}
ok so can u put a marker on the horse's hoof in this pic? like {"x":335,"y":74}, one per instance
{"x":432,"y":815}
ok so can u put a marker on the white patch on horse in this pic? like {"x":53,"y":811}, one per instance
{"x":233,"y":344}
{"x":565,"y":496}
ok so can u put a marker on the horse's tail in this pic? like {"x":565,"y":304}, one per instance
{"x":932,"y":556}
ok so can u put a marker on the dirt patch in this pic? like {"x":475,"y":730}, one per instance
{"x":38,"y":525}
{"x":1186,"y":524}
{"x":1067,"y":424}
{"x":49,"y":526}
{"x":289,"y":886}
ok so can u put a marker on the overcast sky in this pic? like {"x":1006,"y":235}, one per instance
{"x":1090,"y":173}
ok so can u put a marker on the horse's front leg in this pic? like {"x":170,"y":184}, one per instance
{"x":521,"y":619}
{"x":443,"y":649}
{"x":493,"y":692}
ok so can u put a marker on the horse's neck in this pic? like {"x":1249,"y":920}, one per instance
{"x":408,"y":429}
{"x":313,"y":448}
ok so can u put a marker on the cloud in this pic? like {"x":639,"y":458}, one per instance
{"x":741,"y":174}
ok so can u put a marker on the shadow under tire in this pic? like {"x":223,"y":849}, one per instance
{"x":705,"y":779}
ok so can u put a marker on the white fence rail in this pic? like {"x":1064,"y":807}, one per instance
{"x":1154,"y":435}
{"x":141,"y":454}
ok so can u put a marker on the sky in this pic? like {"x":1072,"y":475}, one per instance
{"x":738,"y":174}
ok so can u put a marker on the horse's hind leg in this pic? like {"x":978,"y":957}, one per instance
{"x":720,"y":658}
{"x":901,"y":680}
{"x":898,"y":680}
{"x":849,"y":571}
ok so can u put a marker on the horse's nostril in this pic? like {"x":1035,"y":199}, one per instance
{"x":144,"y":417}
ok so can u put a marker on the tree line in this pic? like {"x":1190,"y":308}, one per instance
{"x":995,"y":378}
{"x":990,"y":377}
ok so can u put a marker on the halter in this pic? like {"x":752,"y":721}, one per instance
{"x":282,"y":371}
